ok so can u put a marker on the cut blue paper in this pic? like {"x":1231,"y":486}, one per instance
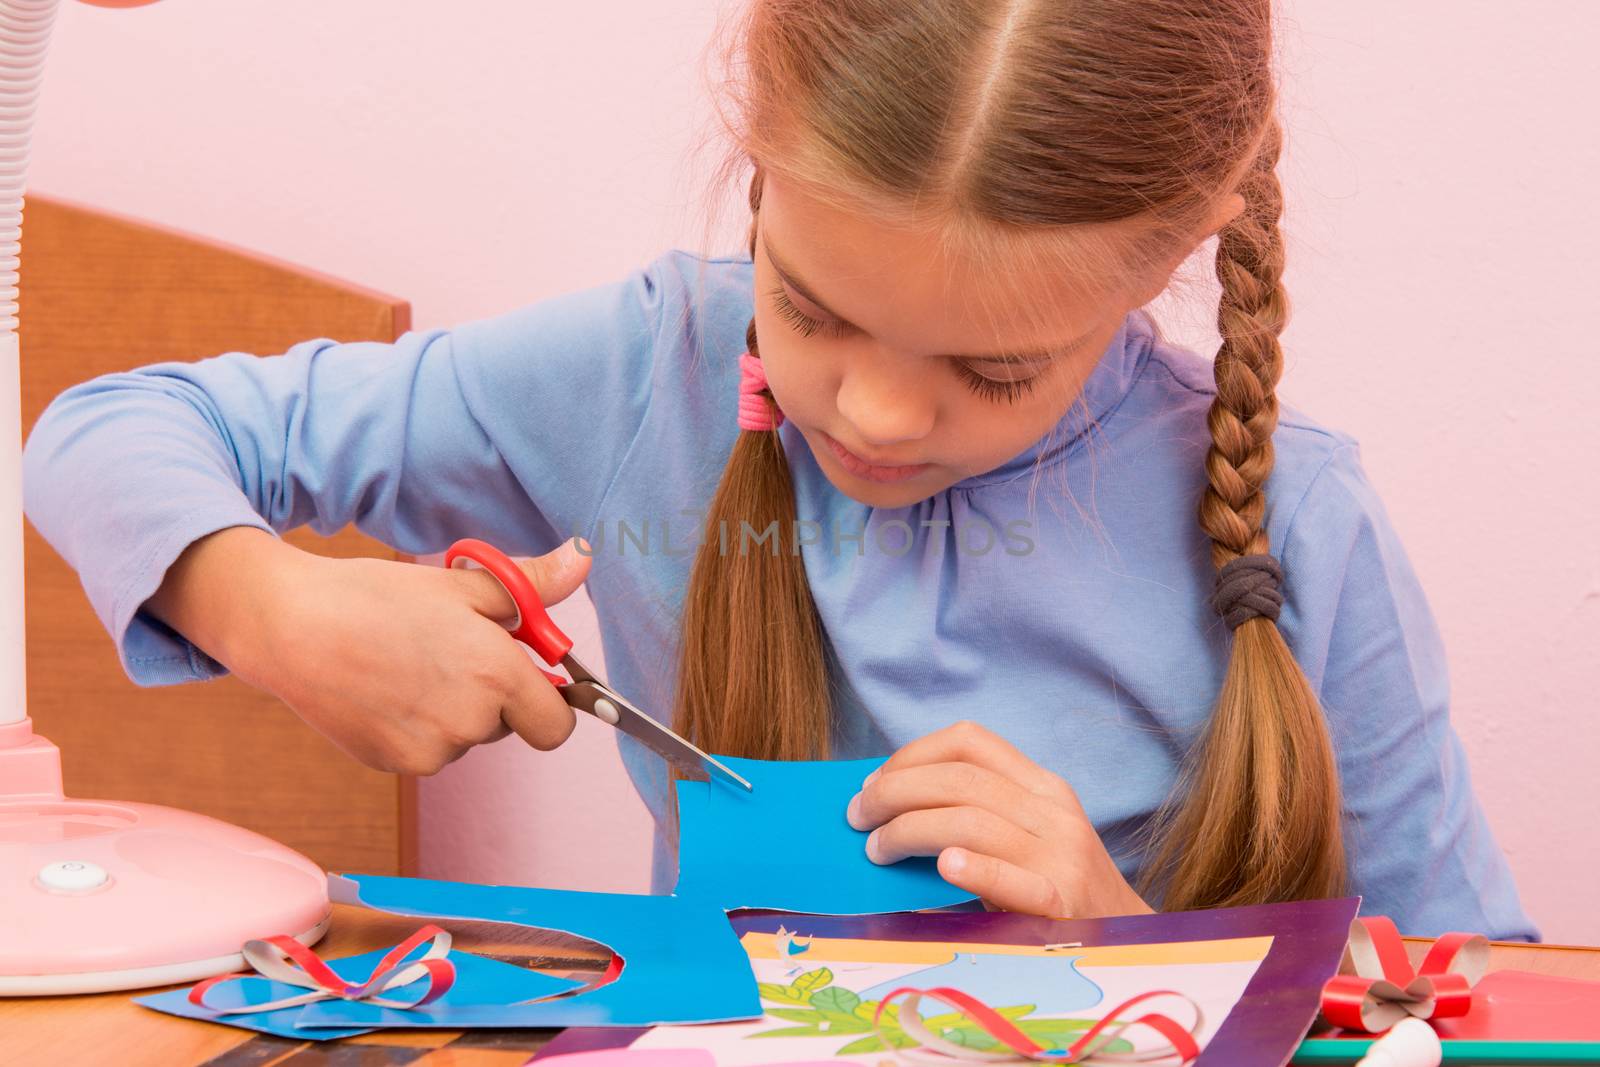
{"x":1051,"y":984}
{"x":477,"y":980}
{"x":681,"y":960}
{"x":787,"y":846}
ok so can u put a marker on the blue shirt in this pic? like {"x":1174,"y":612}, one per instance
{"x":1059,"y":599}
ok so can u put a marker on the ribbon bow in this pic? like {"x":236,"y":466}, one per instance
{"x":283,"y":959}
{"x":1090,"y":1048}
{"x":1376,"y":987}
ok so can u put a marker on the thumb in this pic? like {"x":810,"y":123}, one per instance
{"x":557,"y":574}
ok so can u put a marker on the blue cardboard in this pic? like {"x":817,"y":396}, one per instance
{"x":786,"y":845}
{"x":681,"y":959}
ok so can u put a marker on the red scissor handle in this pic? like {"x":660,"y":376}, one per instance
{"x":534,"y":626}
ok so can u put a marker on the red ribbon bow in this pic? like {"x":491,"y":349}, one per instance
{"x":1376,"y":987}
{"x":283,"y":959}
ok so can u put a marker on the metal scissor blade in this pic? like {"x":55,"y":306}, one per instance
{"x":606,"y":705}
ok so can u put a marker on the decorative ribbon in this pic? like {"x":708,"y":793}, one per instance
{"x":1376,"y":987}
{"x":1088,"y":1049}
{"x":276,"y":958}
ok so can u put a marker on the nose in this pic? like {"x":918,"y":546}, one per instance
{"x":886,"y":398}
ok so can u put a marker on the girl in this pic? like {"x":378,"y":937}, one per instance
{"x":946,"y":475}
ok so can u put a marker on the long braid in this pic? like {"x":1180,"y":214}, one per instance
{"x":1251,"y":314}
{"x":1260,"y":818}
{"x":752,"y":677}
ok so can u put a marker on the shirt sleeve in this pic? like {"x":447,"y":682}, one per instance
{"x":509,"y":429}
{"x":1420,"y":848}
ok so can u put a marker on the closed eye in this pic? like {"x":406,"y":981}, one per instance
{"x":804,"y":324}
{"x":1009,"y":389}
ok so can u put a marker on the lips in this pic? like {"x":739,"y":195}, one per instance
{"x":873,"y":472}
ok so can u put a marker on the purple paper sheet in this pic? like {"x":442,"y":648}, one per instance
{"x":1262,"y":1030}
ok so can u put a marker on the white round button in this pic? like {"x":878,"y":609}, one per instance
{"x":72,"y":876}
{"x":606,"y":711}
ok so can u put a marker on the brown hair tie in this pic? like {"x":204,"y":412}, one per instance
{"x":1247,"y":587}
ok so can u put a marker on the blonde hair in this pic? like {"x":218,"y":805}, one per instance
{"x":1022,"y":125}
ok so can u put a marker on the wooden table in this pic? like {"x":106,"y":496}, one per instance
{"x":111,"y":1029}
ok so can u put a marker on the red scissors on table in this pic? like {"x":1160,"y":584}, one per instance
{"x":585,"y":692}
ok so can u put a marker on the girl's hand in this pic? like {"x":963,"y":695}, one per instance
{"x":1003,"y":827}
{"x":403,"y":666}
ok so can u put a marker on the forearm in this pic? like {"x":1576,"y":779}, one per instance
{"x":214,"y":593}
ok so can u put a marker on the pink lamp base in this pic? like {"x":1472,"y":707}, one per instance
{"x":98,"y":895}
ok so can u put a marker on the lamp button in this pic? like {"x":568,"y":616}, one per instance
{"x":72,"y":876}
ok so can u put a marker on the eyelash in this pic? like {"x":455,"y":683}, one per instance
{"x":1008,"y":390}
{"x":803,"y":324}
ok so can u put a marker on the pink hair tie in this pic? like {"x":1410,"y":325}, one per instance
{"x":756,"y":412}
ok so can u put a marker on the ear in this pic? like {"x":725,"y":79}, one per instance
{"x":1226,"y":210}
{"x":1223,"y":212}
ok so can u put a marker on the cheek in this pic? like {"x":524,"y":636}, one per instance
{"x":798,"y":369}
{"x":993,"y":431}
{"x":1056,"y":393}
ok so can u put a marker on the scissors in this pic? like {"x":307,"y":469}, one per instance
{"x":585,"y":692}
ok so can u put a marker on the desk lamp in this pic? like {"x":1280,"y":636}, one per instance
{"x":100,"y":895}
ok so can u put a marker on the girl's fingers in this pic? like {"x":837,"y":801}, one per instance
{"x":929,"y":832}
{"x":946,"y":785}
{"x":1000,"y":884}
{"x":556,"y":575}
{"x":485,"y":595}
{"x":542,"y":724}
{"x":967,"y":742}
{"x":531,"y":707}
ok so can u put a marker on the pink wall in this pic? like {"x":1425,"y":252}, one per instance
{"x":473,"y":156}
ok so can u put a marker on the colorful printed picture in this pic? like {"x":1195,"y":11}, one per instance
{"x":820,"y":994}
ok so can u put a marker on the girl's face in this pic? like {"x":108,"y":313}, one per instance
{"x":908,"y":367}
